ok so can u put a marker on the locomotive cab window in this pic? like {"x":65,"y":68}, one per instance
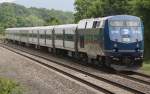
{"x":96,"y":24}
{"x":125,"y":31}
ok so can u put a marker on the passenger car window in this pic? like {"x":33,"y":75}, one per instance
{"x":96,"y":24}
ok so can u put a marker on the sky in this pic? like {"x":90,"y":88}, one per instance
{"x":65,"y":5}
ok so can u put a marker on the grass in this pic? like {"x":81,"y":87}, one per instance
{"x":2,"y":36}
{"x":146,"y":68}
{"x":10,"y":87}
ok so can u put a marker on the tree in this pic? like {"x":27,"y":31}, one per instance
{"x":34,"y":21}
{"x":52,"y":21}
{"x":100,"y":8}
{"x":13,"y":15}
{"x":21,"y":22}
{"x":141,"y":8}
{"x":1,"y":30}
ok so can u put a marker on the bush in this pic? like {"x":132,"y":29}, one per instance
{"x":9,"y":87}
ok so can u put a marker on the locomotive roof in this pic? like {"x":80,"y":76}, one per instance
{"x":129,"y":17}
{"x":122,"y":17}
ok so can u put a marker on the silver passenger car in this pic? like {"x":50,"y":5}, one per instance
{"x":83,"y":37}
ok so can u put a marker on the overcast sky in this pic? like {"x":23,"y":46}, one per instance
{"x":65,"y":5}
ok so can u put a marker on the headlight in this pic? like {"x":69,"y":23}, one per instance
{"x":137,"y":45}
{"x":115,"y":45}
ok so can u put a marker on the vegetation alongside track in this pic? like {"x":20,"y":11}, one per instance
{"x":146,"y":68}
{"x":10,"y":87}
{"x":14,"y":15}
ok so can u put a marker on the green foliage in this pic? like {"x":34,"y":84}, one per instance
{"x":46,"y":15}
{"x":99,"y":8}
{"x":141,"y":8}
{"x":33,"y":21}
{"x":52,"y":21}
{"x":1,"y":29}
{"x":13,"y":15}
{"x":9,"y":87}
{"x":146,"y":68}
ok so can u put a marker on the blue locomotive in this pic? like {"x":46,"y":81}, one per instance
{"x":114,"y":41}
{"x":124,"y":44}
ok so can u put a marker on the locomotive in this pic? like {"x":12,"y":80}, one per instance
{"x":113,"y":41}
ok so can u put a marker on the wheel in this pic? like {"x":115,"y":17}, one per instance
{"x":100,"y":60}
{"x":84,"y":58}
{"x":107,"y":62}
{"x":50,"y":50}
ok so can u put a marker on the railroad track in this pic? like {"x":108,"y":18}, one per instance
{"x":136,"y":76}
{"x":97,"y":87}
{"x":141,"y":74}
{"x":59,"y":70}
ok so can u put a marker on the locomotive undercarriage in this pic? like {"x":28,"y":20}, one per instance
{"x":116,"y":62}
{"x":124,"y":62}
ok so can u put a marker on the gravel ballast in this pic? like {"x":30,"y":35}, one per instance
{"x":37,"y":79}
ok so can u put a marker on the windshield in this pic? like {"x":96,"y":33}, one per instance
{"x":125,"y":31}
{"x":124,"y":23}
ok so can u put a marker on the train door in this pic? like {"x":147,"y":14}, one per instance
{"x":59,"y":37}
{"x":38,"y":37}
{"x":35,"y":37}
{"x":45,"y":36}
{"x":82,"y":36}
{"x":64,"y":38}
{"x":70,"y":38}
{"x":30,"y":36}
{"x":49,"y":35}
{"x":53,"y":40}
{"x":41,"y":37}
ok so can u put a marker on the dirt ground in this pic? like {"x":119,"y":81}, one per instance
{"x":37,"y":79}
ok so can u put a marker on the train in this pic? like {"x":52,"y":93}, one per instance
{"x":114,"y":41}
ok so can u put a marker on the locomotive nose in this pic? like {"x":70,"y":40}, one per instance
{"x":126,"y":35}
{"x":127,"y":47}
